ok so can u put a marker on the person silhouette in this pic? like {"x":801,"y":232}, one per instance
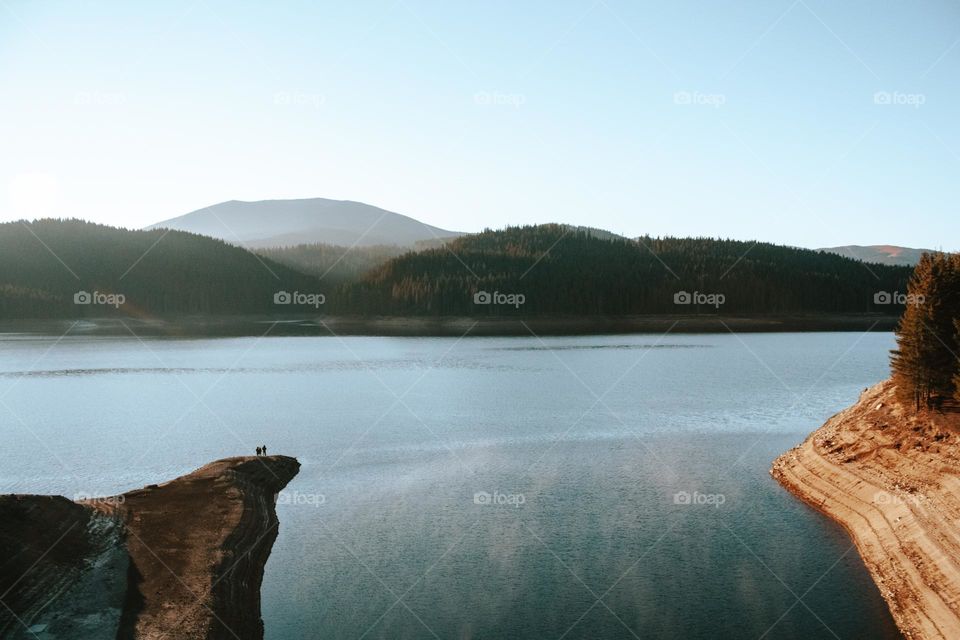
{"x":259,"y":451}
{"x":264,"y":447}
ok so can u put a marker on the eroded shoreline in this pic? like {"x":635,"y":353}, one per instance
{"x":892,"y":480}
{"x":183,"y":559}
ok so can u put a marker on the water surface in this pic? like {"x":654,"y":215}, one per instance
{"x":587,"y":447}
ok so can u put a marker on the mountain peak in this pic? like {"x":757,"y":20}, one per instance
{"x":278,"y":223}
{"x":879,"y":253}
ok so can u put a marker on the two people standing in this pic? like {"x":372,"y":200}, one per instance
{"x":262,"y":451}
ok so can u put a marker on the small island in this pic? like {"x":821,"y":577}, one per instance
{"x":184,"y":559}
{"x":888,"y":468}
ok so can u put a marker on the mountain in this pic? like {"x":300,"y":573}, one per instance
{"x":281,"y":223}
{"x":71,"y":268}
{"x":880,"y":253}
{"x":553,"y":269}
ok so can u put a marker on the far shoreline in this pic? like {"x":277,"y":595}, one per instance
{"x":446,"y":326}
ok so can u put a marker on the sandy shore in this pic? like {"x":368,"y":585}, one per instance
{"x":892,"y":479}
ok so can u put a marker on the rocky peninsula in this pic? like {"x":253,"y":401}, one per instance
{"x":891,"y":477}
{"x":183,"y":559}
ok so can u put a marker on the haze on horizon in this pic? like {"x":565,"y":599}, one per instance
{"x":798,"y":122}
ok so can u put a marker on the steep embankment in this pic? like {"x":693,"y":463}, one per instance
{"x":892,"y":479}
{"x":183,"y":559}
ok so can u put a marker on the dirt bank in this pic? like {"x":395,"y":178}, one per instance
{"x":892,"y":479}
{"x":183,"y":559}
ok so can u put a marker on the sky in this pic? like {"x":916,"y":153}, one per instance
{"x":800,"y":122}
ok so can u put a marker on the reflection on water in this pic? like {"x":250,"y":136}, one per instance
{"x":590,"y":487}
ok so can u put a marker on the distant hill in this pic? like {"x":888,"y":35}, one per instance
{"x":559,"y":270}
{"x":45,"y":264}
{"x":594,"y":232}
{"x":880,"y":253}
{"x":282,"y":223}
{"x":334,"y":264}
{"x":337,"y":264}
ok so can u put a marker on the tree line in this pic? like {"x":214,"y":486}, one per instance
{"x":565,"y":271}
{"x":332,"y":264}
{"x":518,"y":271}
{"x":74,"y":269}
{"x":925,"y":364}
{"x":335,"y":264}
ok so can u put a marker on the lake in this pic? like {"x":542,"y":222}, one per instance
{"x":581,"y":487}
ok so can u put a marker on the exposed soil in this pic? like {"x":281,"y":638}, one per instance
{"x":891,"y":477}
{"x":183,"y":559}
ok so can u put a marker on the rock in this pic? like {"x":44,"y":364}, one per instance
{"x":179,"y":560}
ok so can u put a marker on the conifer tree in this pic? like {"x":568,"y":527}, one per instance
{"x":956,"y":375}
{"x":941,"y":308}
{"x":925,"y":365}
{"x":909,"y":361}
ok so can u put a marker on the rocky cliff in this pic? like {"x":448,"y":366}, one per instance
{"x":183,"y":559}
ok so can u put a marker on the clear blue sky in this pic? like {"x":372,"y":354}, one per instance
{"x":733,"y":119}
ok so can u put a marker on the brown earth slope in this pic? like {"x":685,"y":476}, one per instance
{"x":183,"y":559}
{"x":892,"y":479}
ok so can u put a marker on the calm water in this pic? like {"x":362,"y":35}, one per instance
{"x":581,"y":443}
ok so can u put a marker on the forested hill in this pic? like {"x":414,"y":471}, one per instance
{"x":562,"y":271}
{"x":44,"y":264}
{"x":538,"y":270}
{"x":337,"y":264}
